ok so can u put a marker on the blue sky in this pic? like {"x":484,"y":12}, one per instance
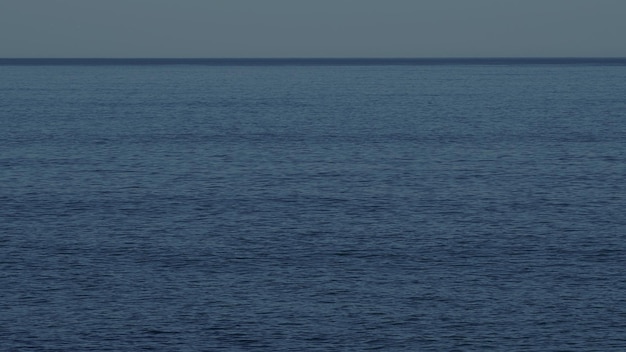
{"x":307,"y":28}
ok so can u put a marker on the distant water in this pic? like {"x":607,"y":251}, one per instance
{"x":441,"y":205}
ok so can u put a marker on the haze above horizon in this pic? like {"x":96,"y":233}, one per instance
{"x":320,"y":29}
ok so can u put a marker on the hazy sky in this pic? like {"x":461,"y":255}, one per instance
{"x":312,"y":28}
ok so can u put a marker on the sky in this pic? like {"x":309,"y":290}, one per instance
{"x":312,"y":28}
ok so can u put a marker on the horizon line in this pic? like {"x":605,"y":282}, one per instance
{"x":311,"y":60}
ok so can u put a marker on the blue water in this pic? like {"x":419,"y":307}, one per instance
{"x":318,"y":205}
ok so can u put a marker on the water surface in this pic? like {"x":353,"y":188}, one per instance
{"x":399,"y":206}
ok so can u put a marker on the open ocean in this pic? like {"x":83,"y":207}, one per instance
{"x":313,"y":205}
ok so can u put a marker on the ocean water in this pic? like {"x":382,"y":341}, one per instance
{"x":313,"y":205}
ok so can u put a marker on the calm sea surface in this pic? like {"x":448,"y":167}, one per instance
{"x":313,"y":205}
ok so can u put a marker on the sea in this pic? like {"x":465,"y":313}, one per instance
{"x":313,"y":205}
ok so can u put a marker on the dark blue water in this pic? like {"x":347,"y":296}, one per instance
{"x":398,"y":206}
